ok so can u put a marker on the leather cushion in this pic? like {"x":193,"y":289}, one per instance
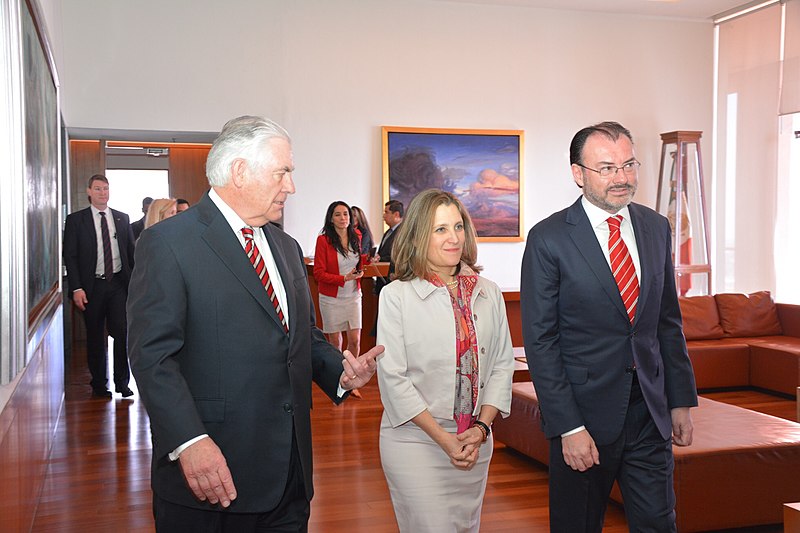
{"x":700,"y":318}
{"x":748,"y":315}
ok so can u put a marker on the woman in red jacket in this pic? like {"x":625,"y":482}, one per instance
{"x":338,"y":271}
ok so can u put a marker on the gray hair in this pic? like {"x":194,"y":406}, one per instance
{"x":241,"y":138}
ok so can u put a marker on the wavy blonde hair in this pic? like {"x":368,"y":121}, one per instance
{"x":158,"y":211}
{"x":410,"y":248}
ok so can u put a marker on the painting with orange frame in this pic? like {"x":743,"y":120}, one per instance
{"x":482,"y":168}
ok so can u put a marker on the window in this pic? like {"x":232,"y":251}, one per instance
{"x":128,"y":187}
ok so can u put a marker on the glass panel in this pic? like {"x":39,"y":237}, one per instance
{"x":128,"y":187}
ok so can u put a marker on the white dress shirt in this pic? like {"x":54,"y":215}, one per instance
{"x":100,"y":267}
{"x":236,"y":224}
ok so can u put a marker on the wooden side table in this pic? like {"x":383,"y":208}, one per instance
{"x":791,"y":517}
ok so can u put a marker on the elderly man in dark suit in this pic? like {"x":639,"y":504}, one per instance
{"x":605,"y":346}
{"x":224,"y":347}
{"x":98,"y":254}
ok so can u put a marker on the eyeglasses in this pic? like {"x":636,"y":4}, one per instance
{"x":608,"y":171}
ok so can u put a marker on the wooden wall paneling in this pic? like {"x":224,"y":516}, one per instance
{"x":187,"y":172}
{"x":27,"y":427}
{"x":86,"y":158}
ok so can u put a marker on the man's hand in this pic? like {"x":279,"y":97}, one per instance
{"x":207,"y":474}
{"x":579,"y":450}
{"x":79,"y":299}
{"x":358,"y":371}
{"x":682,"y":427}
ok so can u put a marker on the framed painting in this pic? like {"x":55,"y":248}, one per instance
{"x":482,"y":168}
{"x":41,"y":167}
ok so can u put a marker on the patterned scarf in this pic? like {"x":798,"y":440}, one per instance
{"x":466,"y":347}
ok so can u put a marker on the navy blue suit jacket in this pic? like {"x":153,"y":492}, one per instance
{"x":578,"y":338}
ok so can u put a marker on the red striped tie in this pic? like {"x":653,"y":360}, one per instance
{"x":622,"y":267}
{"x":257,"y":261}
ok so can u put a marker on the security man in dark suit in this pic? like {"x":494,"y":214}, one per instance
{"x":393,"y":216}
{"x":224,"y":347}
{"x":138,"y":226}
{"x":98,"y":254}
{"x":393,"y":212}
{"x":605,"y":345}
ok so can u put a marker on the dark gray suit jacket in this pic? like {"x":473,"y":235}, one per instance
{"x":578,"y":338}
{"x":210,"y":355}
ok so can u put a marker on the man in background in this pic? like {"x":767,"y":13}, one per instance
{"x":393,"y":216}
{"x":183,"y":205}
{"x":98,"y":254}
{"x":224,"y":347}
{"x":138,"y":226}
{"x":605,"y":346}
{"x":393,"y":212}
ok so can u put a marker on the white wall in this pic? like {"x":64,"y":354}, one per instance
{"x":333,"y":72}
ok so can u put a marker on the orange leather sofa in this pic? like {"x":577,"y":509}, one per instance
{"x":738,"y":340}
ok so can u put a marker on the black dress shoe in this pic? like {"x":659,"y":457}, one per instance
{"x":126,"y":392}
{"x":101,"y":393}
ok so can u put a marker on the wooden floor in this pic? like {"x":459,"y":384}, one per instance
{"x":98,"y":477}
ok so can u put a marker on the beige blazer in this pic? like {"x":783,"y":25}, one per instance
{"x":418,"y":369}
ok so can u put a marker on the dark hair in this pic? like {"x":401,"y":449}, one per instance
{"x":395,"y":206}
{"x":146,"y":201}
{"x":182,"y":201}
{"x":330,"y":231}
{"x":363,"y":224}
{"x":612,"y":130}
{"x":96,"y":177}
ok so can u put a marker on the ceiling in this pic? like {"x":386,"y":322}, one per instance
{"x":685,"y":9}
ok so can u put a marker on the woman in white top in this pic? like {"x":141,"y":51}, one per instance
{"x":446,"y":372}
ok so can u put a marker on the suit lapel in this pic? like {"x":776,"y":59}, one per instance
{"x":583,"y":235}
{"x":279,"y":255}
{"x":645,"y":245}
{"x":88,"y":227}
{"x":219,"y":236}
{"x":122,"y":236}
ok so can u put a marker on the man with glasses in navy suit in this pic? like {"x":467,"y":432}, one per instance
{"x":605,"y":346}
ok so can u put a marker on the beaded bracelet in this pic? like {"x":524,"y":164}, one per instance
{"x":484,"y":429}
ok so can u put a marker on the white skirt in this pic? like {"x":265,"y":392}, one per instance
{"x":429,"y":494}
{"x":340,"y":314}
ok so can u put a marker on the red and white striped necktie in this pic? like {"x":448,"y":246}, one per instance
{"x":622,"y":267}
{"x":257,"y":261}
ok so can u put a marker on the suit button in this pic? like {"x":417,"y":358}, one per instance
{"x":287,"y":407}
{"x":483,"y":350}
{"x":290,"y":364}
{"x":475,"y":318}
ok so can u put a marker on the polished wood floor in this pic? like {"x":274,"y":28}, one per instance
{"x":98,"y":476}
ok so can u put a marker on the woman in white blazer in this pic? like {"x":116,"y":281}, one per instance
{"x":446,"y":372}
